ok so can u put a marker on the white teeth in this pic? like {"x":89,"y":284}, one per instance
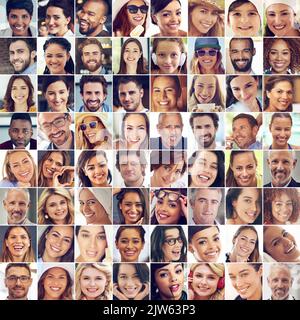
{"x":291,"y":248}
{"x":203,"y":177}
{"x":92,"y":289}
{"x":130,"y":253}
{"x":55,"y":288}
{"x":91,"y":253}
{"x":279,"y":27}
{"x":55,"y":249}
{"x":163,"y":103}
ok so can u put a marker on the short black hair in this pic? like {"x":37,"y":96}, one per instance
{"x":19,"y":4}
{"x":21,"y":116}
{"x":214,"y":117}
{"x":252,"y":121}
{"x":30,"y":43}
{"x":251,"y":43}
{"x":93,"y":79}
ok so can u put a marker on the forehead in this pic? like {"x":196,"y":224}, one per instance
{"x":171,"y":118}
{"x":210,"y":194}
{"x":277,"y":7}
{"x":240,"y":121}
{"x":282,"y":155}
{"x":48,"y":117}
{"x":135,"y":119}
{"x":271,"y":233}
{"x":20,"y":123}
{"x":240,"y":44}
{"x":135,"y":2}
{"x":91,"y":48}
{"x":57,"y":85}
{"x":13,"y":194}
{"x":130,"y":233}
{"x":203,"y":120}
{"x":174,"y":232}
{"x":86,"y":193}
{"x":236,"y":268}
{"x":168,"y":46}
{"x":163,"y":82}
{"x":283,"y":85}
{"x":206,"y":80}
{"x":280,"y":272}
{"x":17,"y":45}
{"x":129,"y":157}
{"x":92,"y":86}
{"x":17,"y":156}
{"x":93,"y":6}
{"x":128,"y":86}
{"x":248,"y":233}
{"x":207,"y":232}
{"x":18,"y":12}
{"x":17,"y":271}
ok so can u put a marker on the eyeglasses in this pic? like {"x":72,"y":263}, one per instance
{"x":14,"y":279}
{"x":92,"y":125}
{"x":134,"y":9}
{"x":202,"y":52}
{"x":59,"y":122}
{"x":172,"y":241}
{"x":173,"y":196}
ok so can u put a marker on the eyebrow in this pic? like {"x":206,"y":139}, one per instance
{"x":166,"y":269}
{"x":207,"y":237}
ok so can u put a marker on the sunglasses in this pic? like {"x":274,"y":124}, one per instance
{"x":92,"y":125}
{"x":134,"y":9}
{"x":202,"y":52}
{"x":173,"y":196}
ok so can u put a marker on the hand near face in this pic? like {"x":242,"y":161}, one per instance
{"x":229,"y":142}
{"x":140,"y":222}
{"x":117,"y":293}
{"x":141,"y":295}
{"x":108,"y":257}
{"x":70,"y":172}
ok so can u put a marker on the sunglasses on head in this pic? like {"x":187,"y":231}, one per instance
{"x":173,"y":196}
{"x":134,"y":9}
{"x":92,"y":125}
{"x":202,"y":52}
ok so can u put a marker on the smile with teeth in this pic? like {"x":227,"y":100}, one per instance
{"x":245,"y":28}
{"x":57,"y":135}
{"x":24,"y":174}
{"x":173,"y":25}
{"x":206,"y":25}
{"x":212,"y":254}
{"x":131,"y":290}
{"x":291,"y":248}
{"x":246,"y":250}
{"x":279,"y":27}
{"x":55,"y":249}
{"x":91,"y":254}
{"x":243,"y":291}
{"x":174,"y":287}
{"x":88,"y":215}
{"x":18,"y":247}
{"x":138,"y":19}
{"x":55,"y":289}
{"x":203,"y":178}
{"x":130,"y":253}
{"x":51,"y":172}
{"x":92,"y":290}
{"x":162,"y":215}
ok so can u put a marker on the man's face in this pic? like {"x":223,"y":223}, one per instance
{"x":204,"y":131}
{"x":20,"y":56}
{"x":18,"y":288}
{"x":243,"y":134}
{"x":93,"y":96}
{"x":281,"y":164}
{"x":130,"y":96}
{"x":280,"y":282}
{"x":16,"y":205}
{"x":241,"y":55}
{"x":56,"y":127}
{"x":91,"y":57}
{"x":91,"y":17}
{"x":130,"y":168}
{"x":170,"y":129}
{"x":206,"y":206}
{"x":20,"y":132}
{"x":164,"y":94}
{"x":19,"y":20}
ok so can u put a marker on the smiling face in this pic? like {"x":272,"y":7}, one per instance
{"x":244,"y":20}
{"x":167,"y":174}
{"x":280,"y":96}
{"x":168,"y":55}
{"x":282,"y":209}
{"x":131,"y":169}
{"x":135,"y":131}
{"x":167,"y":211}
{"x":241,"y":55}
{"x":280,"y":19}
{"x":16,"y":205}
{"x":281,"y":130}
{"x":170,"y":129}
{"x":246,"y":280}
{"x":18,"y":243}
{"x":136,"y":19}
{"x":131,"y":207}
{"x":92,"y":283}
{"x":129,"y":282}
{"x":280,"y":56}
{"x":19,"y":20}
{"x":56,"y":21}
{"x":19,"y":92}
{"x":130,"y":96}
{"x":21,"y":166}
{"x":206,"y":245}
{"x":280,"y":244}
{"x":280,"y":282}
{"x":91,"y":57}
{"x":244,"y":244}
{"x":18,"y":290}
{"x":96,"y":170}
{"x":243,"y":133}
{"x":244,"y":89}
{"x":56,"y":58}
{"x":207,"y":62}
{"x":55,"y":283}
{"x":93,"y":96}
{"x":172,"y":253}
{"x":132,"y":54}
{"x":52,"y":164}
{"x":203,"y":18}
{"x":164,"y":94}
{"x":57,"y":95}
{"x":169,"y":280}
{"x":205,"y":88}
{"x":129,"y":245}
{"x":20,"y":56}
{"x":204,"y":171}
{"x":57,"y":209}
{"x":96,"y":134}
{"x":244,"y":169}
{"x":204,"y":131}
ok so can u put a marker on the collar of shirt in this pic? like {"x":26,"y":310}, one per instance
{"x":282,"y":186}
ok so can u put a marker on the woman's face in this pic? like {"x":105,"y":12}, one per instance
{"x":281,"y":130}
{"x":135,"y":131}
{"x":169,"y":280}
{"x":129,"y":282}
{"x":58,"y":242}
{"x":244,"y":169}
{"x":280,"y":96}
{"x":206,"y":245}
{"x":17,"y":243}
{"x":205,"y":88}
{"x":207,"y":62}
{"x":132,"y":54}
{"x":245,"y":280}
{"x":130,"y":245}
{"x":19,"y":92}
{"x":138,"y":18}
{"x":280,"y":244}
{"x":244,"y":243}
{"x":282,"y":208}
{"x":55,"y":283}
{"x":131,"y":207}
{"x":164,"y":94}
{"x":280,"y":19}
{"x":244,"y":89}
{"x":168,"y":55}
{"x":92,"y":283}
{"x":96,"y":170}
{"x":167,"y":174}
{"x":96,"y":133}
{"x":90,"y":207}
{"x":247,"y":207}
{"x":56,"y":21}
{"x":244,"y":20}
{"x":57,"y":95}
{"x":92,"y":243}
{"x":21,"y":166}
{"x":203,"y":18}
{"x":204,"y":171}
{"x":167,"y":211}
{"x":57,"y":209}
{"x":56,"y":58}
{"x":205,"y":282}
{"x":280,"y":56}
{"x":52,"y":164}
{"x":172,"y":252}
{"x":168,"y":19}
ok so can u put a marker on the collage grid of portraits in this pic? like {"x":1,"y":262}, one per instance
{"x":150,"y":150}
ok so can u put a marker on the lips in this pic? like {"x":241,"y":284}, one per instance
{"x":18,"y":247}
{"x":55,"y":249}
{"x":174,"y":287}
{"x":91,"y":254}
{"x":92,"y":289}
{"x":173,"y":26}
{"x":212,"y":255}
{"x":291,"y":248}
{"x":54,"y":289}
{"x":130,"y":253}
{"x":279,"y":27}
{"x":57,"y":135}
{"x":243,"y":291}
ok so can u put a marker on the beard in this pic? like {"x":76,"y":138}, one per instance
{"x":94,"y":67}
{"x":246,"y":68}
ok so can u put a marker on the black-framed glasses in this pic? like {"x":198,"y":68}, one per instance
{"x":92,"y":125}
{"x":172,"y":241}
{"x":134,"y":9}
{"x":58,"y":123}
{"x":173,"y":196}
{"x":14,"y":279}
{"x":210,"y":52}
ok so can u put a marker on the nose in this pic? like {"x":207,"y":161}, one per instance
{"x":93,"y":242}
{"x":167,"y":59}
{"x":130,"y":245}
{"x":284,"y":95}
{"x":173,"y":276}
{"x":20,"y":134}
{"x":280,"y":166}
{"x":204,"y":91}
{"x":287,"y":242}
{"x":239,"y":282}
{"x":277,"y":19}
{"x":244,"y":18}
{"x":244,"y":172}
{"x":51,"y":20}
{"x":243,"y":94}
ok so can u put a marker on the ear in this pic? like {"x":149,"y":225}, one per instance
{"x":142,"y":92}
{"x":33,"y":54}
{"x":153,"y":16}
{"x":234,"y":204}
{"x":68,"y":19}
{"x":191,"y":248}
{"x":103,"y":19}
{"x":254,"y":52}
{"x":255,"y":130}
{"x":268,"y":93}
{"x":294,"y":163}
{"x":116,"y":243}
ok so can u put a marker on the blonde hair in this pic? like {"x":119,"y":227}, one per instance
{"x":106,"y":295}
{"x":218,"y":67}
{"x":42,"y":214}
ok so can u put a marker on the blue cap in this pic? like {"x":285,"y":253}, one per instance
{"x":207,"y":43}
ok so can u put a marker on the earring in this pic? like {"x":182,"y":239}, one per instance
{"x":46,"y":216}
